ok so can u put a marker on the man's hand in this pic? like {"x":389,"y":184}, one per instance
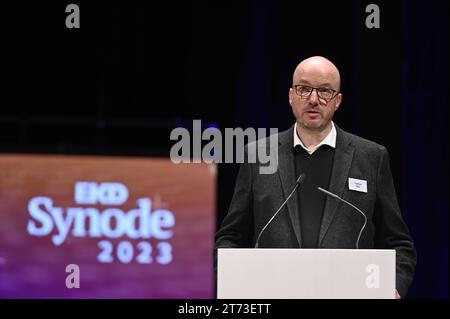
{"x":397,"y":295}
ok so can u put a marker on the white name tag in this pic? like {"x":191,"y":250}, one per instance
{"x":358,"y":185}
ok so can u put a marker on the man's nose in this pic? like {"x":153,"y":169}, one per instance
{"x":313,"y":98}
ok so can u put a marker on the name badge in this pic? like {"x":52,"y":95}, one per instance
{"x":358,"y":185}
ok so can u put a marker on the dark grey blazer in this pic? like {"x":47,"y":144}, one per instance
{"x":257,"y":197}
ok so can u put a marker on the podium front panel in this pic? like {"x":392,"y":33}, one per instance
{"x":305,"y":274}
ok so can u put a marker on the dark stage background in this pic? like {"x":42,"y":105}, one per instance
{"x":135,"y":70}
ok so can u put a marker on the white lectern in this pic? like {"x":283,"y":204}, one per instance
{"x":305,"y":274}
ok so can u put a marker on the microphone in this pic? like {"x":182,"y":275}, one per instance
{"x":298,"y":182}
{"x":351,"y":205}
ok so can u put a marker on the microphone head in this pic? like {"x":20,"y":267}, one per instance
{"x":300,"y":179}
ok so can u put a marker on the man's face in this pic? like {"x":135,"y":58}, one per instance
{"x":310,"y":110}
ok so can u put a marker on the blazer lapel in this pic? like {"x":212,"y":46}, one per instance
{"x":343,"y":156}
{"x":286,"y":171}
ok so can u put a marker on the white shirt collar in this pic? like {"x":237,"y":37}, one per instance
{"x":330,"y":139}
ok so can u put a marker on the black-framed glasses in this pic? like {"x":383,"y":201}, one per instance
{"x":305,"y":91}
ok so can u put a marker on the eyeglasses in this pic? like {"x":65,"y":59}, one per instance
{"x":323,"y":93}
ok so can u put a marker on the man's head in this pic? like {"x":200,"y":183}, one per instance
{"x":314,"y":95}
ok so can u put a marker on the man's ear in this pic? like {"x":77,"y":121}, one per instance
{"x":338,"y":101}
{"x":291,"y":92}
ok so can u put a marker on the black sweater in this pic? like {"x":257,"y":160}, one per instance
{"x":311,"y":202}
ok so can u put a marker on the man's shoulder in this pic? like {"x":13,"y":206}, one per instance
{"x":360,"y":142}
{"x":286,"y":137}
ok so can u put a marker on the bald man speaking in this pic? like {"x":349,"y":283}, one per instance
{"x":354,"y":168}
